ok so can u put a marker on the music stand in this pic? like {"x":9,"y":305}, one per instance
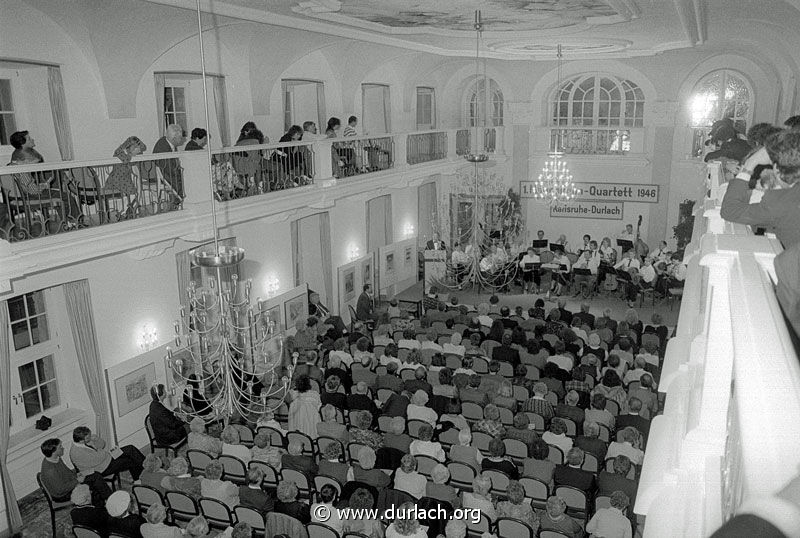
{"x":563,"y":268}
{"x":539,"y":243}
{"x":556,"y":247}
{"x":624,"y":244}
{"x":582,"y":271}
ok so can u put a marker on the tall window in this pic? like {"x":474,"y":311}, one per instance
{"x":7,"y":123}
{"x":720,"y":94}
{"x":484,"y":103}
{"x":175,"y":107}
{"x":426,"y":108}
{"x":598,"y":101}
{"x":35,"y":385}
{"x":303,"y":100}
{"x":376,"y":109}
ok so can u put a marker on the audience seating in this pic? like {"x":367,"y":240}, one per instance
{"x":257,"y":520}
{"x":145,"y":496}
{"x":271,"y":475}
{"x":304,"y":487}
{"x":217,"y":513}
{"x":181,"y":507}
{"x":577,"y":502}
{"x":84,"y":532}
{"x":535,"y":490}
{"x":508,"y":527}
{"x":198,"y":459}
{"x":174,"y":447}
{"x":235,"y":469}
{"x":52,"y":505}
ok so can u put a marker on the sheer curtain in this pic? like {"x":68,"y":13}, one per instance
{"x":297,"y":254}
{"x":221,"y":108}
{"x":379,"y":222}
{"x":58,"y":106}
{"x":81,"y":322}
{"x":388,"y":225}
{"x":12,"y":510}
{"x":327,"y":262}
{"x":161,"y":82}
{"x":427,"y":212}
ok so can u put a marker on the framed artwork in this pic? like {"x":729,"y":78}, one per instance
{"x":409,"y":260}
{"x":273,"y":314}
{"x":295,"y":308}
{"x":133,"y":388}
{"x":390,"y":262}
{"x":349,"y":278}
{"x":366,"y":272}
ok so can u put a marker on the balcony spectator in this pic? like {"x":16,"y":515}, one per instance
{"x":121,"y":177}
{"x":350,"y":130}
{"x":289,"y":166}
{"x":310,"y":132}
{"x":198,"y":141}
{"x":333,"y":127}
{"x":51,"y":188}
{"x":22,"y":140}
{"x":171,"y":168}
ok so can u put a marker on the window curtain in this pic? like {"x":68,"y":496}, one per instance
{"x":327,"y":261}
{"x":379,"y":223}
{"x":322,"y":121}
{"x":58,"y":107}
{"x":387,"y":109}
{"x":81,"y":322}
{"x":427,"y":212}
{"x":221,"y":109}
{"x":161,"y":83}
{"x":297,"y":254}
{"x":388,"y":225}
{"x":12,"y":510}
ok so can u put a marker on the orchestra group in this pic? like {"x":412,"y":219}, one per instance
{"x":587,"y":269}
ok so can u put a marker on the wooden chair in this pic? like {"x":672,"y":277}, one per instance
{"x":472,"y":411}
{"x":521,"y":393}
{"x":245,"y":434}
{"x":216,"y":512}
{"x":256,"y":520}
{"x":500,"y":481}
{"x":508,"y":527}
{"x":537,"y":421}
{"x":84,"y":532}
{"x":146,"y":496}
{"x":605,"y":433}
{"x":506,"y":416}
{"x":383,"y":395}
{"x":425,"y":464}
{"x":304,"y":487}
{"x":181,"y":506}
{"x":302,"y":438}
{"x":480,"y":365}
{"x":461,"y":475}
{"x":276,"y":438}
{"x":198,"y":459}
{"x":271,"y":475}
{"x":481,"y":440}
{"x":577,"y":502}
{"x":352,"y":451}
{"x":516,"y":450}
{"x":552,"y":534}
{"x":234,"y":469}
{"x":556,"y":455}
{"x":476,"y":530}
{"x":536,"y":490}
{"x":155,"y":444}
{"x":52,"y":504}
{"x":319,"y":530}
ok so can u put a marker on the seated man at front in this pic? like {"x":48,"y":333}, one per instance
{"x":59,"y":480}
{"x":90,"y":455}
{"x":560,"y":274}
{"x":531,"y":277}
{"x":630,"y":264}
{"x":590,"y":259}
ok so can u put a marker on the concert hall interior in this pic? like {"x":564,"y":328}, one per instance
{"x":533,"y":257}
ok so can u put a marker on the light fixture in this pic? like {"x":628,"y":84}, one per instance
{"x":408,"y":230}
{"x":273,"y":286}
{"x":478,"y":156}
{"x":352,"y":252}
{"x":148,"y":338}
{"x":224,"y":346}
{"x":554,"y":185}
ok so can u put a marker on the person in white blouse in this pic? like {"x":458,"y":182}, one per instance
{"x":561,"y":274}
{"x":590,"y":259}
{"x":530,"y":276}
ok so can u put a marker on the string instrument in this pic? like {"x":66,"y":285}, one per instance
{"x":640,"y":247}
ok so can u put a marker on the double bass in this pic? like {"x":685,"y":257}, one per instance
{"x":640,"y":247}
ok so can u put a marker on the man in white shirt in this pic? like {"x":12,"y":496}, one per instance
{"x":531,"y":279}
{"x":661,"y":253}
{"x":630,"y":264}
{"x":590,"y":259}
{"x":627,"y":234}
{"x":310,"y":133}
{"x":612,"y":521}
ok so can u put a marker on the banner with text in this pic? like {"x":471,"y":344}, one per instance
{"x":618,"y":192}
{"x":588,"y":210}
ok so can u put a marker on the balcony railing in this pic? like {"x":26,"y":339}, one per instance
{"x":362,"y":156}
{"x":243,"y":171}
{"x":462,"y":142}
{"x":47,"y":199}
{"x":426,"y":147}
{"x":590,"y":141}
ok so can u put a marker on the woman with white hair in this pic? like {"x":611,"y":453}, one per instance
{"x":405,"y":525}
{"x":362,"y":433}
{"x":417,"y":409}
{"x":232,"y":445}
{"x":288,"y":504}
{"x":155,"y":526}
{"x":180,"y":479}
{"x":438,"y":487}
{"x":213,"y":486}
{"x":200,"y":440}
{"x":630,"y":444}
{"x":464,"y":451}
{"x":516,"y":506}
{"x":364,"y":470}
{"x":198,"y":528}
{"x":407,"y":479}
{"x":152,"y":473}
{"x":396,"y":436}
{"x":329,"y":427}
{"x":480,"y":497}
{"x":424,"y":446}
{"x":505,"y":396}
{"x":454,"y":347}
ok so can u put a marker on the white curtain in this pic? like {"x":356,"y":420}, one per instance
{"x":12,"y":509}
{"x":327,"y":261}
{"x":58,"y":107}
{"x":379,"y":223}
{"x":221,"y":108}
{"x":427,"y":212}
{"x":311,"y":254}
{"x":161,"y":82}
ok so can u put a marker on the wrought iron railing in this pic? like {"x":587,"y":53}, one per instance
{"x":590,"y":140}
{"x":463,"y":140}
{"x":426,"y":147}
{"x":47,"y":199}
{"x":362,"y":156}
{"x":243,"y":171}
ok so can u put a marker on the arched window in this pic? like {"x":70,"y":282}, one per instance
{"x":484,"y":103}
{"x":719,"y":94}
{"x":598,"y":101}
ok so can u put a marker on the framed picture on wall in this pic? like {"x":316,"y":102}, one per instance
{"x":133,"y":389}
{"x":366,"y":272}
{"x":408,"y":257}
{"x":390,"y":262}
{"x":273,"y":314}
{"x":295,"y":308}
{"x":349,"y":279}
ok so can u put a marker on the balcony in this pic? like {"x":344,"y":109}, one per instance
{"x":732,"y":383}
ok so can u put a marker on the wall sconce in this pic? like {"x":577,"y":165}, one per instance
{"x":273,"y":286}
{"x":408,"y":230}
{"x":353,"y":253}
{"x":148,"y":338}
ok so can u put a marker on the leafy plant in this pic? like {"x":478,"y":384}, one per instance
{"x":683,"y":230}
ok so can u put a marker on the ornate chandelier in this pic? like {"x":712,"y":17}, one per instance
{"x":554,"y":185}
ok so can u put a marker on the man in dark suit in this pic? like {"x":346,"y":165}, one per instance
{"x":390,"y":380}
{"x":297,"y":461}
{"x":419,"y":382}
{"x":566,"y":315}
{"x":331,"y":395}
{"x":585,"y":316}
{"x":611,"y":324}
{"x":571,"y":474}
{"x":608,"y":483}
{"x":634,"y":419}
{"x":505,"y":353}
{"x":591,"y":443}
{"x":505,"y":318}
{"x":251,"y":495}
{"x":198,"y":141}
{"x":171,"y":168}
{"x":360,"y":400}
{"x":570,"y":410}
{"x":365,"y":307}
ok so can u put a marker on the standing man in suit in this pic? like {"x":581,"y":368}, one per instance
{"x":365,"y":307}
{"x":171,"y":168}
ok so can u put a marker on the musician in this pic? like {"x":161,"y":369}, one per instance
{"x":590,"y":259}
{"x":627,"y":234}
{"x":460,"y":261}
{"x":560,"y":274}
{"x":630,"y":264}
{"x":608,"y":257}
{"x":532,"y":278}
{"x":661,"y":253}
{"x":586,"y":239}
{"x":562,"y":240}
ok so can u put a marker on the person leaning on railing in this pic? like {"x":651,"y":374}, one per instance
{"x":778,"y":207}
{"x":121,"y":177}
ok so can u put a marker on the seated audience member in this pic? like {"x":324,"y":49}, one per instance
{"x":490,"y":424}
{"x":571,"y":474}
{"x":396,"y":405}
{"x":438,"y":488}
{"x":263,"y":451}
{"x":585,"y":316}
{"x":504,"y":352}
{"x":612,"y":521}
{"x":424,"y":446}
{"x":155,"y":526}
{"x":646,"y":394}
{"x":167,"y":428}
{"x":330,"y":463}
{"x":608,"y":483}
{"x":598,"y":413}
{"x":497,"y":460}
{"x":553,"y":518}
{"x":473,"y":328}
{"x":556,"y":435}
{"x":329,"y":427}
{"x":304,"y":408}
{"x":121,"y":519}
{"x":616,"y":364}
{"x":570,"y":410}
{"x":360,"y":502}
{"x":591,"y":443}
{"x":629,"y":445}
{"x":407,"y":479}
{"x":180,"y":479}
{"x":454,"y":347}
{"x":419,"y":382}
{"x":198,"y":528}
{"x":409,"y":339}
{"x":777,"y":208}
{"x":327,"y":496}
{"x":472,"y":393}
{"x":522,"y":432}
{"x":390,"y":380}
{"x":538,"y":465}
{"x":417,"y":409}
{"x":331,"y":395}
{"x":464,"y":451}
{"x":60,"y":480}
{"x":554,"y":378}
{"x":251,"y":494}
{"x":199,"y":440}
{"x":406,"y":525}
{"x":361,"y":433}
{"x":89,"y":455}
{"x":85,"y":513}
{"x":199,"y":139}
{"x":396,"y":437}
{"x":445,"y":386}
{"x":340,"y":350}
{"x":243,"y":530}
{"x":453,"y":416}
{"x":560,"y":358}
{"x":152,"y":473}
{"x":625,"y":351}
{"x":633,"y":419}
{"x":232,"y":446}
{"x":364,"y":470}
{"x":537,"y":404}
{"x":505,"y":396}
{"x":288,"y":504}
{"x":637,"y":371}
{"x":295,"y":459}
{"x":480,"y":497}
{"x":611,"y":387}
{"x":490,"y":383}
{"x":213,"y":486}
{"x":516,"y":506}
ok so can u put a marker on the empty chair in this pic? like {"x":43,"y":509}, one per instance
{"x":181,"y":506}
{"x":52,"y":504}
{"x":217,"y":513}
{"x":319,"y":530}
{"x":145,"y":496}
{"x":537,"y":421}
{"x":506,"y":416}
{"x":352,"y":451}
{"x":590,"y":462}
{"x":383,"y":395}
{"x":198,"y":459}
{"x":480,"y":365}
{"x":254,"y":518}
{"x":520,"y":393}
{"x":506,"y":370}
{"x":508,"y":527}
{"x":235,"y":469}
